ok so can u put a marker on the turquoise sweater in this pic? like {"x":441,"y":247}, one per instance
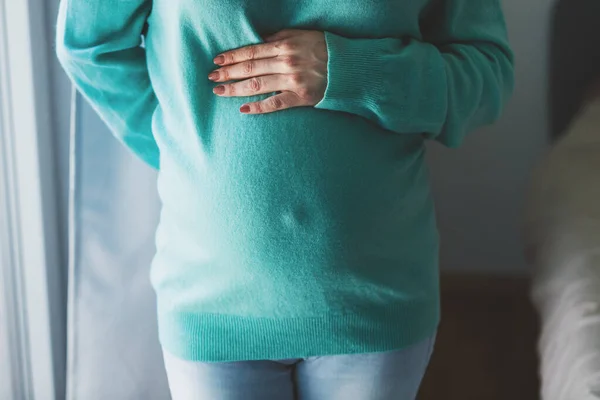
{"x":308,"y":231}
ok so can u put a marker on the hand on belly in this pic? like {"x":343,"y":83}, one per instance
{"x":292,"y":62}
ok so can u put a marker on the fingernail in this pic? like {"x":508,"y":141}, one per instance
{"x":245,"y":108}
{"x":219,"y":60}
{"x":219,"y":89}
{"x":213,"y":76}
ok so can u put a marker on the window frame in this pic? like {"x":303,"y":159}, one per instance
{"x":32,"y":285}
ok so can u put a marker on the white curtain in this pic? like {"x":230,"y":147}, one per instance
{"x":113,"y":349}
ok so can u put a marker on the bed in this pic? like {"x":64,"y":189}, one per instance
{"x":562,"y":217}
{"x":563,"y":244}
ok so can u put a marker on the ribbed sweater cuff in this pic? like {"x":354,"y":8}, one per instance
{"x":354,"y":81}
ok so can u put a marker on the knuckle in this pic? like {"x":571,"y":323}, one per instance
{"x":273,"y":47}
{"x":258,"y":107}
{"x":229,"y":58}
{"x":288,"y":45}
{"x":248,"y":67}
{"x":230,"y":89}
{"x":296,"y":79}
{"x":250,"y":52}
{"x":290,"y":61}
{"x":276,"y":103}
{"x":254,"y":84}
{"x":224,"y":74}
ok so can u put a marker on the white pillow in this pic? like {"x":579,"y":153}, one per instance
{"x":562,"y":235}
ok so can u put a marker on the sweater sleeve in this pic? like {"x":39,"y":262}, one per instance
{"x":457,"y":78}
{"x":98,"y":43}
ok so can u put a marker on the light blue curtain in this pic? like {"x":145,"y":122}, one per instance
{"x":113,"y":349}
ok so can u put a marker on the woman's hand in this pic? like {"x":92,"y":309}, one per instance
{"x":292,"y":61}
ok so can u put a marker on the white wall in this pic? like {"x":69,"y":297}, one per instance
{"x":480,"y":187}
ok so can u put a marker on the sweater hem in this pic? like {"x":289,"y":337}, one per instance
{"x":226,"y":338}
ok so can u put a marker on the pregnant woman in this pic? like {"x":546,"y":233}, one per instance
{"x":297,"y":249}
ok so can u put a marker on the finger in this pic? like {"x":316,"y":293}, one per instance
{"x":247,"y":69}
{"x":274,"y":103}
{"x":282,"y":34}
{"x":251,"y":52}
{"x":254,"y":86}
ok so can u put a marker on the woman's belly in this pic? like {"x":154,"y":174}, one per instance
{"x":299,"y":194}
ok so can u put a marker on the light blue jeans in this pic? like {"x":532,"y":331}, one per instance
{"x":393,"y":375}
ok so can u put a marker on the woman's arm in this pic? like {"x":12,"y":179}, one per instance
{"x":98,"y":45}
{"x":456,"y":79}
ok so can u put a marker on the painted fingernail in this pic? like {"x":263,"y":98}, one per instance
{"x":219,"y":89}
{"x":245,"y":108}
{"x":219,"y":59}
{"x":213,"y":76}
